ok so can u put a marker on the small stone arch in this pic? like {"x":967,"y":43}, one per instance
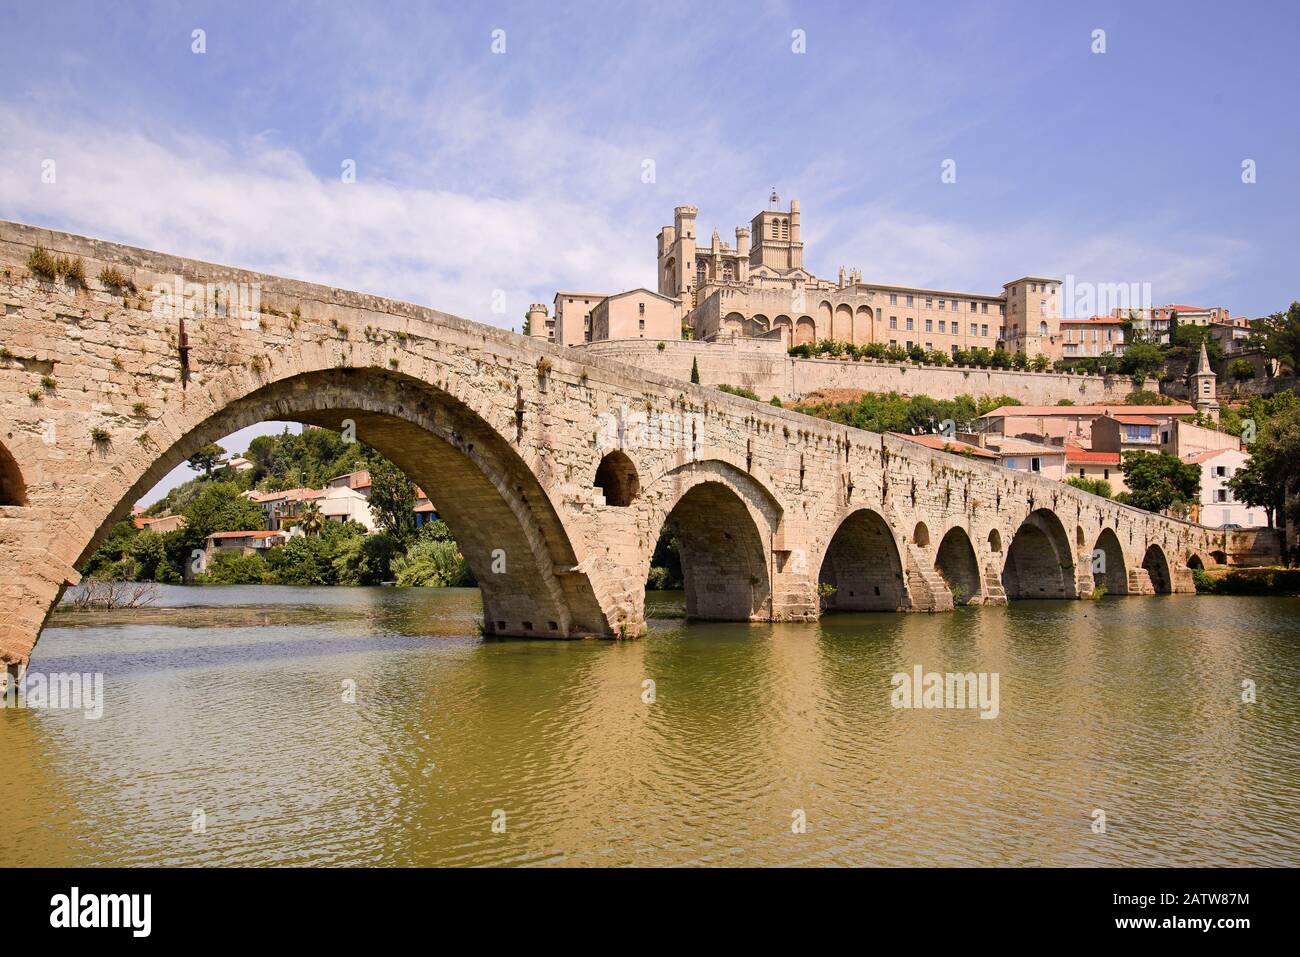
{"x":862,"y":563}
{"x":805,"y":331}
{"x":957,"y":565}
{"x":1194,"y":561}
{"x":787,"y":329}
{"x":842,"y":323}
{"x":1157,"y":565}
{"x":1040,"y":561}
{"x":1220,"y":558}
{"x":995,"y":541}
{"x":13,"y":490}
{"x":617,"y":478}
{"x":1108,"y":565}
{"x":921,"y":535}
{"x":724,"y":561}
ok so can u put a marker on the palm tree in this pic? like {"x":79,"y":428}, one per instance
{"x":311,"y":520}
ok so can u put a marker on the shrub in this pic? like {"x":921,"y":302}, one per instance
{"x":99,"y":436}
{"x":660,"y":347}
{"x":42,"y":264}
{"x":114,"y":278}
{"x":740,"y":391}
{"x":72,"y":270}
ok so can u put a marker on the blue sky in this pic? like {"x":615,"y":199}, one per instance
{"x":522,"y":171}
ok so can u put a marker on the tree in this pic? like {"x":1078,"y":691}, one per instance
{"x":1142,"y":359}
{"x":1267,"y":480}
{"x":1093,"y":486}
{"x":206,"y":458}
{"x":392,"y":500}
{"x":1158,"y":481}
{"x":695,"y":371}
{"x":311,"y":520}
{"x":1241,"y":369}
{"x":1279,"y":336}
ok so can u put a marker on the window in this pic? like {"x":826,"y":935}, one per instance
{"x":1164,"y":438}
{"x":893,"y":343}
{"x":974,"y":329}
{"x":929,"y":325}
{"x":1002,"y":309}
{"x":893,"y":322}
{"x":1083,"y":473}
{"x":893,"y":299}
{"x":1105,"y":473}
{"x":909,"y":345}
{"x":929,"y":302}
{"x":975,"y":305}
{"x":909,"y":323}
{"x":1221,"y":495}
{"x":954,"y":348}
{"x":1009,"y":463}
{"x":984,"y":329}
{"x":1035,"y":464}
{"x":909,"y":300}
{"x":943,"y":326}
{"x":640,"y":308}
{"x":929,"y":346}
{"x":941,"y":305}
{"x":984,"y":308}
{"x":1220,"y":471}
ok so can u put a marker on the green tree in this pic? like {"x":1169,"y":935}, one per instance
{"x":695,"y":371}
{"x":1278,"y":335}
{"x":1142,"y":359}
{"x":1158,"y":481}
{"x":232,"y":568}
{"x":206,"y":458}
{"x":1241,"y":369}
{"x":1093,"y":486}
{"x":310,"y":519}
{"x":392,"y":500}
{"x":431,"y":563}
{"x":1268,"y":478}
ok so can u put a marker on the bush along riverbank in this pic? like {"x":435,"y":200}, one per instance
{"x":1248,"y":581}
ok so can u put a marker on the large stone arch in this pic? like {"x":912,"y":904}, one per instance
{"x":863,"y":563}
{"x":805,"y":330}
{"x":787,"y":329}
{"x":956,"y":562}
{"x":824,"y":313}
{"x":723,"y":529}
{"x":1040,"y":559}
{"x":862,"y":326}
{"x":1109,"y":566}
{"x":13,"y":490}
{"x":842,"y":323}
{"x":512,"y":537}
{"x":1156,"y":563}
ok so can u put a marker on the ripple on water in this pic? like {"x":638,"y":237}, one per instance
{"x":230,"y":702}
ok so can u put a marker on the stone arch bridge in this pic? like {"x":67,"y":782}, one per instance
{"x":555,"y":471}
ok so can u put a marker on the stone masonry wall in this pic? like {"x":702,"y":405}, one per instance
{"x":100,"y":396}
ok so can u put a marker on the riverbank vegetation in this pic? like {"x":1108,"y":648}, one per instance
{"x":328,"y":553}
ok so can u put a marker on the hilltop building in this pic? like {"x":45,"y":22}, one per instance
{"x":759,"y":286}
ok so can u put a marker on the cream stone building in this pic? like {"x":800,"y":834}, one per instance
{"x":759,"y":287}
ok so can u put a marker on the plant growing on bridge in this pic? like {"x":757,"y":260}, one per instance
{"x":825,"y":594}
{"x":115,"y":280}
{"x":99,"y":436}
{"x":72,"y":269}
{"x":42,"y":264}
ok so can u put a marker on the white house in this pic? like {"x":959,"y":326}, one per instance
{"x":1218,"y":507}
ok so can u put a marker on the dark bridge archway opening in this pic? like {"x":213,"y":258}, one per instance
{"x":13,"y":490}
{"x":1157,"y":566}
{"x":499,"y":517}
{"x":863,"y":565}
{"x":616,"y":477}
{"x":1108,"y":566}
{"x":957,"y":564}
{"x":1040,"y":561}
{"x":723,"y":560}
{"x":1194,"y":562}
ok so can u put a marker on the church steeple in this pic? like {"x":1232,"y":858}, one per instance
{"x":1204,"y":386}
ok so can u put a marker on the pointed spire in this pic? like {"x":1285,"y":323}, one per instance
{"x":1203,"y":363}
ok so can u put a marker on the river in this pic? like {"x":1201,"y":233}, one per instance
{"x":225,"y":738}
